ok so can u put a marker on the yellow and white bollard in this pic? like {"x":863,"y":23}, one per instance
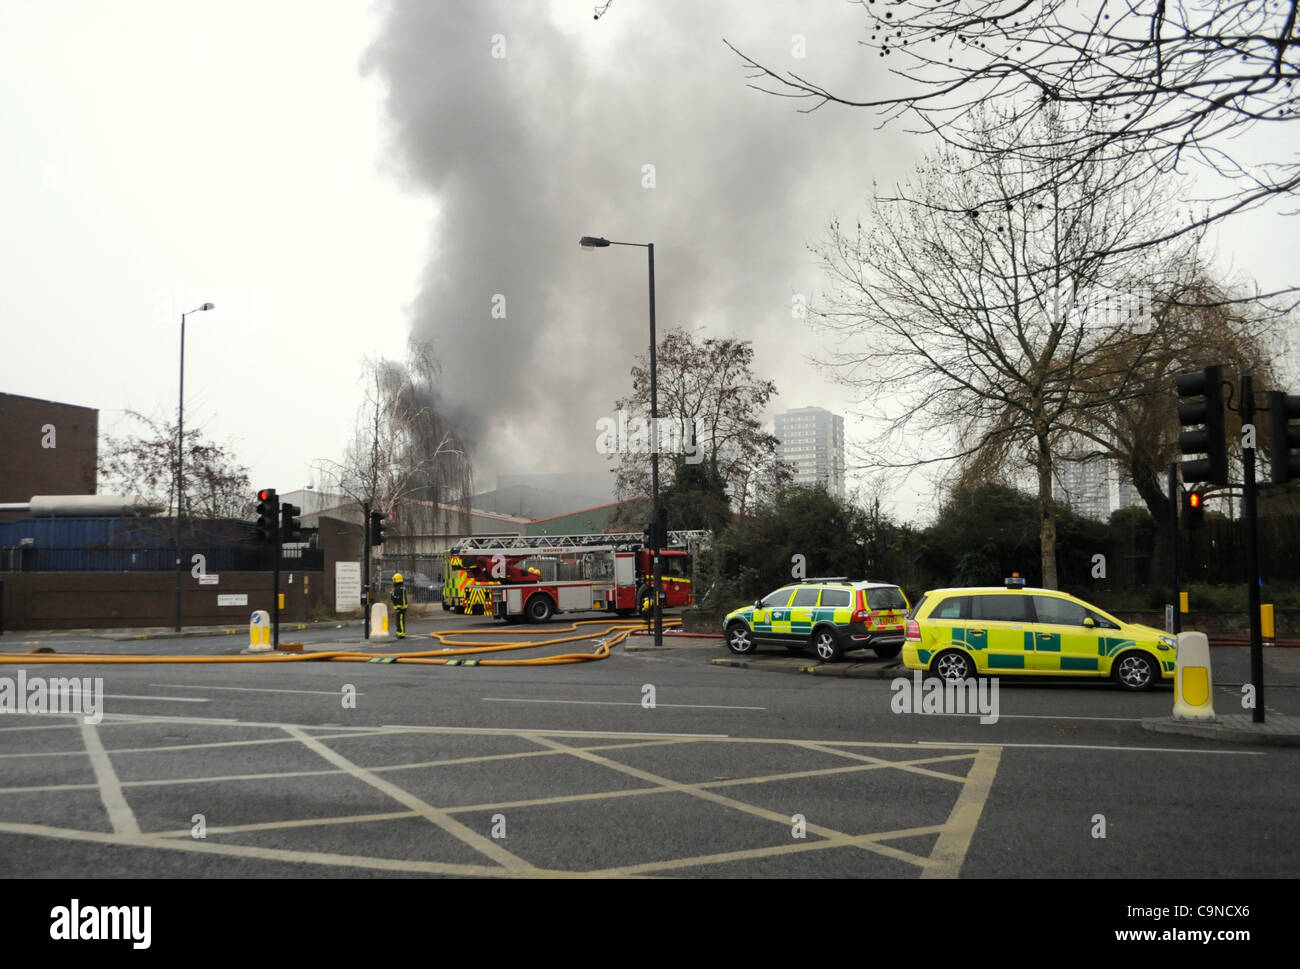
{"x":378,"y":620}
{"x":1193,"y":685}
{"x":259,"y":630}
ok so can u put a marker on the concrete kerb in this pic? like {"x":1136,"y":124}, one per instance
{"x":1279,"y":730}
{"x":796,"y":664}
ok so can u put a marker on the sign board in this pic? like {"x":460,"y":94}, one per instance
{"x":240,"y":599}
{"x":207,"y":579}
{"x":347,"y":586}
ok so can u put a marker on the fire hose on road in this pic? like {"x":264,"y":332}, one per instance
{"x":612,"y":634}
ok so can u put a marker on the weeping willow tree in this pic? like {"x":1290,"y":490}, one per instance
{"x":405,"y":456}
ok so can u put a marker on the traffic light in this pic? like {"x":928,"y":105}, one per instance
{"x":289,"y":530}
{"x":1284,"y":435}
{"x":653,"y":539}
{"x":268,"y":513}
{"x":1193,"y":509}
{"x":1205,"y":418}
{"x":377,"y":519}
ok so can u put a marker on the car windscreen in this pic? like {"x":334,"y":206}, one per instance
{"x":889,"y":597}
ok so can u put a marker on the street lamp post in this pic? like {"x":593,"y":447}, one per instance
{"x":180,"y":451}
{"x":595,"y":242}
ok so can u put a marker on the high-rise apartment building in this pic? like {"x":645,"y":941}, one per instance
{"x":1096,"y":487}
{"x":1085,"y":487}
{"x":812,"y":443}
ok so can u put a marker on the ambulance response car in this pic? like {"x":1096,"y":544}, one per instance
{"x":832,"y":616}
{"x":959,"y":633}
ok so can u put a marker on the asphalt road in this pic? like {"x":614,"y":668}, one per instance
{"x":645,"y":763}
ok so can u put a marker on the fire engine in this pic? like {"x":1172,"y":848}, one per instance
{"x":534,"y":577}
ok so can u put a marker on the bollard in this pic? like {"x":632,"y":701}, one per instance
{"x":1193,"y":685}
{"x":378,"y":620}
{"x":259,"y":630}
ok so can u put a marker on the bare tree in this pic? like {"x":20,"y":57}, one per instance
{"x":1200,"y":323}
{"x":404,"y":450}
{"x":711,"y":404}
{"x":993,"y":321}
{"x":1167,"y":84}
{"x":144,"y":464}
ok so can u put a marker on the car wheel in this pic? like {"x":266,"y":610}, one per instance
{"x":826,"y":646}
{"x":1136,"y":671}
{"x":740,"y":639}
{"x":539,"y":608}
{"x":953,"y":664}
{"x":888,"y":650}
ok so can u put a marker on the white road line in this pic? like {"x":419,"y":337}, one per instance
{"x":1158,"y":750}
{"x":557,"y":733}
{"x":163,"y":699}
{"x":454,"y":827}
{"x":1036,"y":716}
{"x":156,"y":718}
{"x":110,"y":788}
{"x":248,"y":689}
{"x":617,"y":703}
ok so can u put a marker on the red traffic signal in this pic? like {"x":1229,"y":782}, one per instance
{"x":268,"y":514}
{"x":1193,"y":509}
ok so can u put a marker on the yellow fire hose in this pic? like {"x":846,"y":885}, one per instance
{"x":438,"y":657}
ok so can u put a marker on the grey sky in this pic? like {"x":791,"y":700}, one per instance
{"x":334,"y":176}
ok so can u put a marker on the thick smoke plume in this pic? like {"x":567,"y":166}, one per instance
{"x":532,"y":127}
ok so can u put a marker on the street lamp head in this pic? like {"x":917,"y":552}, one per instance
{"x":593,"y":242}
{"x":207,"y":306}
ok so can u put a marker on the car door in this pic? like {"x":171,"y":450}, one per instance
{"x":1002,"y":624}
{"x":773,"y":609}
{"x":1062,"y":643}
{"x":802,"y":607}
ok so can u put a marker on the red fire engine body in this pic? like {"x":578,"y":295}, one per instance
{"x":536,"y":583}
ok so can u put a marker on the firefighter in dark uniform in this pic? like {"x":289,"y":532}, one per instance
{"x":399,"y":604}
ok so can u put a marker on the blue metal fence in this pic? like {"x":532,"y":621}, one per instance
{"x":230,"y":558}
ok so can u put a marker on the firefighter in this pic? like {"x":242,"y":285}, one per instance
{"x":399,"y":604}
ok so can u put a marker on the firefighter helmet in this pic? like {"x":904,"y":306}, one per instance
{"x":397,"y":576}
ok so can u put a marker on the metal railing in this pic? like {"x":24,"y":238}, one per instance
{"x":235,"y":558}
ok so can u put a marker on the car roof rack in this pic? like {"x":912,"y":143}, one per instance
{"x":828,"y":578}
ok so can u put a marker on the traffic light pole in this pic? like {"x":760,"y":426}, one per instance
{"x":275,"y":594}
{"x":1173,"y":546}
{"x":1250,"y":519}
{"x":365,"y":570}
{"x":654,"y":460}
